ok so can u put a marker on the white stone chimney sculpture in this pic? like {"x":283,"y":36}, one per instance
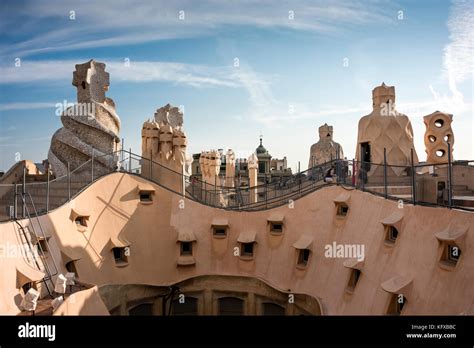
{"x":229,"y":168}
{"x":253,"y":172}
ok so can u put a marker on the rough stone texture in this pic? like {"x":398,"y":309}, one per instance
{"x":253,"y":176}
{"x":210,"y":166}
{"x":325,"y":149}
{"x":90,"y":126}
{"x":165,"y":143}
{"x":386,"y":128}
{"x":437,"y":136}
{"x":169,"y":114}
{"x":229,"y":168}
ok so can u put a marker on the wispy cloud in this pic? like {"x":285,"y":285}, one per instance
{"x":262,"y":103}
{"x":459,"y":53}
{"x":25,"y":106}
{"x":11,"y":141}
{"x":188,"y":74}
{"x":118,"y":22}
{"x":35,"y":71}
{"x":199,"y":76}
{"x":458,"y":66}
{"x":268,"y":110}
{"x":139,"y":71}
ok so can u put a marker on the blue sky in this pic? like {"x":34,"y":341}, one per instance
{"x":291,"y":76}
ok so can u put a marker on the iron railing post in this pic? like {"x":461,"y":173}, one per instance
{"x":47,"y":192}
{"x":266,"y":192}
{"x":130,"y":160}
{"x":23,"y":192}
{"x":121,"y":150}
{"x":15,"y":204}
{"x":92,"y":165}
{"x":353,"y":173}
{"x":385,"y":191}
{"x":69,"y":181}
{"x":450,"y":184}
{"x":413,"y":183}
{"x":299,"y":178}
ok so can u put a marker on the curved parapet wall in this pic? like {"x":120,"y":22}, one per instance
{"x":91,"y":126}
{"x":86,"y":302}
{"x":353,"y":251}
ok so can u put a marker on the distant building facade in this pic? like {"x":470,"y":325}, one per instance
{"x":269,"y":169}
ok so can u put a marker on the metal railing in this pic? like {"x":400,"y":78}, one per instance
{"x":410,"y":183}
{"x":449,"y":184}
{"x":36,"y":254}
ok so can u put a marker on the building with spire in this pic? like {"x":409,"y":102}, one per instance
{"x":269,"y":169}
